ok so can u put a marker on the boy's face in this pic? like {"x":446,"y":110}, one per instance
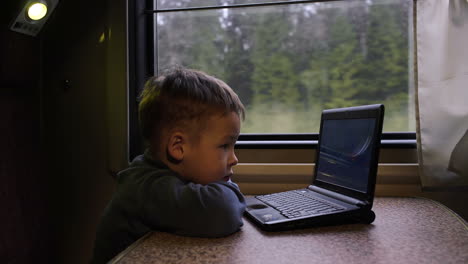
{"x":212,"y":157}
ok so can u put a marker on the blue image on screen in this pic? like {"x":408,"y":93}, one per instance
{"x":346,"y":152}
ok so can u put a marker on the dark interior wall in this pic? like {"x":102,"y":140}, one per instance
{"x":60,"y":140}
{"x":63,"y":127}
{"x":23,"y":205}
{"x":84,"y":89}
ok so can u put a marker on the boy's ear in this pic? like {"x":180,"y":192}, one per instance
{"x":176,"y":147}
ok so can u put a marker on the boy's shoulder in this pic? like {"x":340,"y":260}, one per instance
{"x":143,"y":166}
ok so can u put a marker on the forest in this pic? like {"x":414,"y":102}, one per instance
{"x":289,"y":62}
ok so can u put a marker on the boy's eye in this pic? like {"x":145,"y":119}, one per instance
{"x":225,"y":146}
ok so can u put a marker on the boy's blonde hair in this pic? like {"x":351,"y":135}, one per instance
{"x":181,"y":96}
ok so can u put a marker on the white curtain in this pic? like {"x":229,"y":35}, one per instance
{"x":442,"y":93}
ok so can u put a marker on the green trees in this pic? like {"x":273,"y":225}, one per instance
{"x":274,"y":82}
{"x":289,"y":62}
{"x":332,"y":78}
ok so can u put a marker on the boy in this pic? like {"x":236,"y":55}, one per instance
{"x":182,"y":183}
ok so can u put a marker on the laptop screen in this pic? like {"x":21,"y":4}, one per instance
{"x":346,"y":152}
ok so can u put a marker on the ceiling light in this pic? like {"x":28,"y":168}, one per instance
{"x":37,"y":11}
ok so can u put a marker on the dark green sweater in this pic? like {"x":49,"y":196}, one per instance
{"x":149,"y":196}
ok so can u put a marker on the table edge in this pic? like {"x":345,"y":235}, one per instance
{"x":130,"y":248}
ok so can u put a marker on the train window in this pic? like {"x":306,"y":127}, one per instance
{"x":287,"y":60}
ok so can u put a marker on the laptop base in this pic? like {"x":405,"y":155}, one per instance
{"x":256,"y":213}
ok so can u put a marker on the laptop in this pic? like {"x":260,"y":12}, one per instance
{"x":342,"y":190}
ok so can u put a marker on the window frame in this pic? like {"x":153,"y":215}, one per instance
{"x":140,"y":67}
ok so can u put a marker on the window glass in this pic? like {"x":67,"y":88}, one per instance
{"x":288,"y":62}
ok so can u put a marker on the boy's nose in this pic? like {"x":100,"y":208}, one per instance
{"x":233,"y":160}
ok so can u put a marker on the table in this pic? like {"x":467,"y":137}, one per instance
{"x":406,"y":230}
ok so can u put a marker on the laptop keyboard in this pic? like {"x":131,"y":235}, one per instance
{"x":299,"y":203}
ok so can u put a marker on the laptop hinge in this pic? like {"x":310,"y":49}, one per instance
{"x":338,"y":196}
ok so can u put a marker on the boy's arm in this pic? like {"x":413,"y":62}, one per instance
{"x":211,"y":210}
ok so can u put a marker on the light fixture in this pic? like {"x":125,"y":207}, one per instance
{"x":37,"y":11}
{"x":33,"y":16}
